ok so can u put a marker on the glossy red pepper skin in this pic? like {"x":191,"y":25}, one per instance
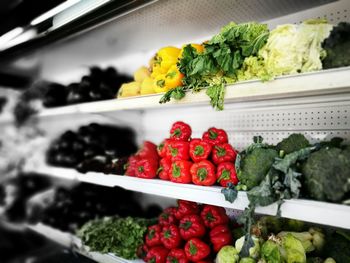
{"x":203,"y":173}
{"x":215,"y":136}
{"x":164,"y":168}
{"x":142,"y":251}
{"x":196,"y":250}
{"x":157,"y":255}
{"x":177,"y":255}
{"x":220,"y":236}
{"x":199,"y":150}
{"x":167,"y":217}
{"x":131,"y":165}
{"x":162,"y":148}
{"x":178,"y":150}
{"x":180,"y":131}
{"x":214,"y":216}
{"x":170,"y":237}
{"x":226,"y":173}
{"x":192,"y":226}
{"x":148,"y":151}
{"x":146,"y":168}
{"x":223,"y":153}
{"x":185,"y":208}
{"x":180,"y":172}
{"x":153,"y":235}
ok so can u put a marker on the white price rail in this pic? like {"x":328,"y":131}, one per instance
{"x":306,"y":210}
{"x":333,"y":81}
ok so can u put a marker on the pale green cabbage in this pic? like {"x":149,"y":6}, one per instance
{"x":290,"y":49}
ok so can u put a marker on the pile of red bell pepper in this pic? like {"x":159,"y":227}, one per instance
{"x":187,"y":233}
{"x":182,"y":159}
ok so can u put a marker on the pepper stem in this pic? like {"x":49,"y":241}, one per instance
{"x":220,"y":151}
{"x":199,"y":150}
{"x":202,"y":174}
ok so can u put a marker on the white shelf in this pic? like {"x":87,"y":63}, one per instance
{"x":68,"y":240}
{"x":334,"y":81}
{"x":306,"y":210}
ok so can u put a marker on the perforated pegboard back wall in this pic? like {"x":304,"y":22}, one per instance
{"x":319,"y":118}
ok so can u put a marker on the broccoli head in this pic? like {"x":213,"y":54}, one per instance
{"x":255,"y":165}
{"x":326,"y":173}
{"x":292,"y":143}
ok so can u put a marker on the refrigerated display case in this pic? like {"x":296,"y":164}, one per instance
{"x":315,"y":104}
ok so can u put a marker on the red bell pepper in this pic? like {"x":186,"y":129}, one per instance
{"x":180,"y":172}
{"x":157,"y":255}
{"x":215,"y":136}
{"x":146,"y":168}
{"x":226,"y":173}
{"x":167,"y":217}
{"x":177,"y":255}
{"x":164,"y":168}
{"x":214,"y":216}
{"x":192,"y":226}
{"x":178,"y":150}
{"x":223,"y":153}
{"x":131,"y":165}
{"x":148,"y":150}
{"x":171,"y":236}
{"x":199,"y":150}
{"x":203,"y":173}
{"x":185,"y":208}
{"x":220,"y":236}
{"x":180,"y":131}
{"x":153,"y":235}
{"x":196,"y":250}
{"x":162,"y":147}
{"x":142,"y":251}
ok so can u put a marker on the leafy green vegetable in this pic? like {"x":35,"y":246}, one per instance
{"x":292,"y":143}
{"x":255,"y":165}
{"x":246,"y":218}
{"x":218,"y":64}
{"x":337,"y":46}
{"x":121,"y":236}
{"x":227,"y":254}
{"x":326,"y":173}
{"x":290,"y":49}
{"x":216,"y":93}
{"x":294,"y":250}
{"x":253,"y":250}
{"x":247,"y":260}
{"x":270,"y":251}
{"x":311,"y":240}
{"x":230,"y":192}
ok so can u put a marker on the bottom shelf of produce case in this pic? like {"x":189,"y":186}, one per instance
{"x":69,"y":240}
{"x":336,"y":215}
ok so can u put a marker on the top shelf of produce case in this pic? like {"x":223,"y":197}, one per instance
{"x":333,"y":81}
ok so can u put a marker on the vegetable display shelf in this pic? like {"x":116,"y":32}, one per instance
{"x":333,"y":81}
{"x":306,"y":210}
{"x":68,"y":240}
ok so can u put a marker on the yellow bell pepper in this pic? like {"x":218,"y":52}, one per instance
{"x":160,"y":83}
{"x":129,"y":89}
{"x":147,"y":86}
{"x":141,"y":74}
{"x":173,"y":78}
{"x":166,"y":57}
{"x":198,"y":47}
